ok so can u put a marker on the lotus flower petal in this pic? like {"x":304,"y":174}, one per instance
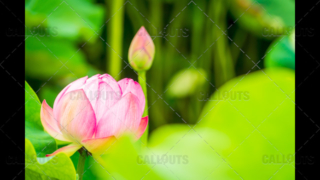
{"x":102,"y":92}
{"x":71,"y":87}
{"x":142,"y":127}
{"x":49,"y":123}
{"x":130,"y":86}
{"x":98,"y":145}
{"x":123,"y":116}
{"x":111,"y":82}
{"x":76,"y":116}
{"x":69,"y":150}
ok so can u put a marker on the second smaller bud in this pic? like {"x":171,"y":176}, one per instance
{"x":141,"y":51}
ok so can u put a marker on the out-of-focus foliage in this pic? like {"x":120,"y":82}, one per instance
{"x":185,"y":82}
{"x":73,"y":19}
{"x":282,"y":52}
{"x":124,"y":153}
{"x":64,"y":59}
{"x":57,"y":167}
{"x":54,"y":30}
{"x":50,"y":93}
{"x":264,"y":17}
{"x":42,"y":141}
{"x":257,"y":114}
{"x":198,"y":151}
{"x":173,"y":151}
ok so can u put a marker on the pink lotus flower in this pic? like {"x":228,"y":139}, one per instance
{"x":141,"y":51}
{"x":93,"y":112}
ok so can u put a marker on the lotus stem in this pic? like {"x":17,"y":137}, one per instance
{"x":143,"y":83}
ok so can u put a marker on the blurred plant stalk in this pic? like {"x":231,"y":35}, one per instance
{"x":115,"y":37}
{"x":198,"y":20}
{"x":222,"y":63}
{"x":141,"y":55}
{"x":159,"y":69}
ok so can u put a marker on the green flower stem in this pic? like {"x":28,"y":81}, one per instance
{"x":81,"y":162}
{"x":143,"y":83}
{"x":115,"y":37}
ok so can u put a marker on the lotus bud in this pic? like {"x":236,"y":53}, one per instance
{"x":141,"y":51}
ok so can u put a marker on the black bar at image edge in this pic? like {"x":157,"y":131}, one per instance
{"x":12,"y":89}
{"x":307,"y":90}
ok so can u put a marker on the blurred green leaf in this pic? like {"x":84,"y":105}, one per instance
{"x":281,"y":52}
{"x":198,"y":150}
{"x":257,"y":112}
{"x":188,"y":155}
{"x":43,"y":142}
{"x":45,"y":59}
{"x":56,"y":167}
{"x":264,"y":16}
{"x":72,"y":19}
{"x":121,"y":161}
{"x":53,"y":30}
{"x":49,"y":93}
{"x":185,"y":82}
{"x":191,"y":158}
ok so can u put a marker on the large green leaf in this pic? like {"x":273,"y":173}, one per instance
{"x":281,"y":52}
{"x":121,"y":161}
{"x":185,"y":155}
{"x":257,"y":113}
{"x":42,"y":142}
{"x":191,"y":153}
{"x":57,"y":167}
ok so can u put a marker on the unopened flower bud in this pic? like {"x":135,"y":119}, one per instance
{"x":141,"y":51}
